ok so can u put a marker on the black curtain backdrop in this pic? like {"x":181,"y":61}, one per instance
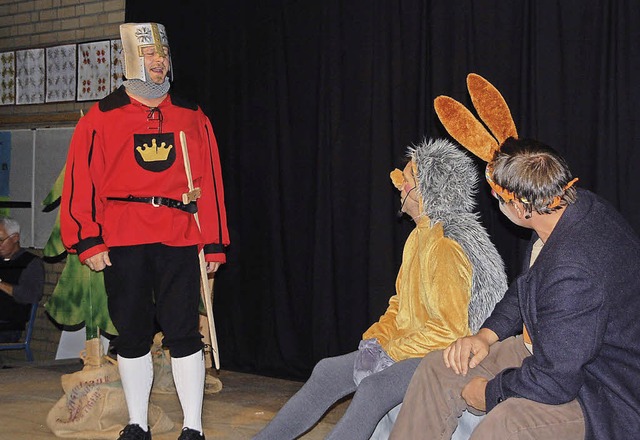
{"x":314,"y":102}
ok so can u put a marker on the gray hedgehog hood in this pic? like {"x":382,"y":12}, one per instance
{"x":446,"y":178}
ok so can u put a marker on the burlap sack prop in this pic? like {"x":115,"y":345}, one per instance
{"x":212,"y":384}
{"x":162,"y":376}
{"x":93,"y":406}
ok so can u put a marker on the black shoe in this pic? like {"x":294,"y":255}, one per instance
{"x":190,"y":434}
{"x":134,"y":432}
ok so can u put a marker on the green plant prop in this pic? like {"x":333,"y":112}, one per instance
{"x":80,"y":296}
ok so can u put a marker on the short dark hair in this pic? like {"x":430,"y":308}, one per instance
{"x":535,"y":173}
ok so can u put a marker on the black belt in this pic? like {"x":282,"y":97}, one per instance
{"x":156,"y":201}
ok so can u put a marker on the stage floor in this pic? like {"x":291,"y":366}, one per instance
{"x":244,"y":405}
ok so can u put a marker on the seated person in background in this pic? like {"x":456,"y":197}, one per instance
{"x":573,"y":372}
{"x":450,"y":279}
{"x":21,"y":281}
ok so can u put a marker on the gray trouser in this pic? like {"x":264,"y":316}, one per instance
{"x":433,"y":403}
{"x":331,"y":380}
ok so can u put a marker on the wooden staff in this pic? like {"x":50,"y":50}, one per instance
{"x":205,"y":289}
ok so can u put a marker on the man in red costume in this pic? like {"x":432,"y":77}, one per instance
{"x":122,"y":211}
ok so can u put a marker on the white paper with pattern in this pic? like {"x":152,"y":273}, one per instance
{"x":117,"y":64}
{"x":7,"y":78}
{"x":61,"y":73}
{"x":94,"y":70}
{"x":30,"y":76}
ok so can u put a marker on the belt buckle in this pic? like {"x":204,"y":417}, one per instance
{"x":156,"y":201}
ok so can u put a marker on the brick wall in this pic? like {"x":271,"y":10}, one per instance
{"x":33,"y":24}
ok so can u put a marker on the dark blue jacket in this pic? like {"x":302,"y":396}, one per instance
{"x":580,"y":302}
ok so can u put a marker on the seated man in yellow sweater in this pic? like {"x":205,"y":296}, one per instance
{"x":450,"y":279}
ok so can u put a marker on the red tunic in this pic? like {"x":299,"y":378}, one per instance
{"x":118,"y":151}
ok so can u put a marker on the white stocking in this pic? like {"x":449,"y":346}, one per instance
{"x":188,"y":375}
{"x":136,"y":375}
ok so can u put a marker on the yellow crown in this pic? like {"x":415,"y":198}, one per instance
{"x":154,"y":153}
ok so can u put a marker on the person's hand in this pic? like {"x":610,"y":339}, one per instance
{"x":469,"y":351}
{"x":98,"y":262}
{"x":212,"y":266}
{"x":474,"y":393}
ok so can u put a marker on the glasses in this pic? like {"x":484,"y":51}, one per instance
{"x":2,"y":240}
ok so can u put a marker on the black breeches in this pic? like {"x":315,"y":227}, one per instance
{"x":152,"y":283}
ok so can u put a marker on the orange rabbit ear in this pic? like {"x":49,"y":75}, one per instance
{"x":491,"y":107}
{"x":465,"y":128}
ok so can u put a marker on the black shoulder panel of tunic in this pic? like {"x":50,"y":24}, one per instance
{"x":184,"y":103}
{"x":117,"y":98}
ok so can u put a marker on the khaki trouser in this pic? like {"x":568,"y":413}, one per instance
{"x":433,"y":403}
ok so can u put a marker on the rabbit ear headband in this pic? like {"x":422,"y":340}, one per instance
{"x":473,"y":135}
{"x":469,"y":131}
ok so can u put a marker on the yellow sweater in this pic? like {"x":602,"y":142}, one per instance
{"x":433,"y":289}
